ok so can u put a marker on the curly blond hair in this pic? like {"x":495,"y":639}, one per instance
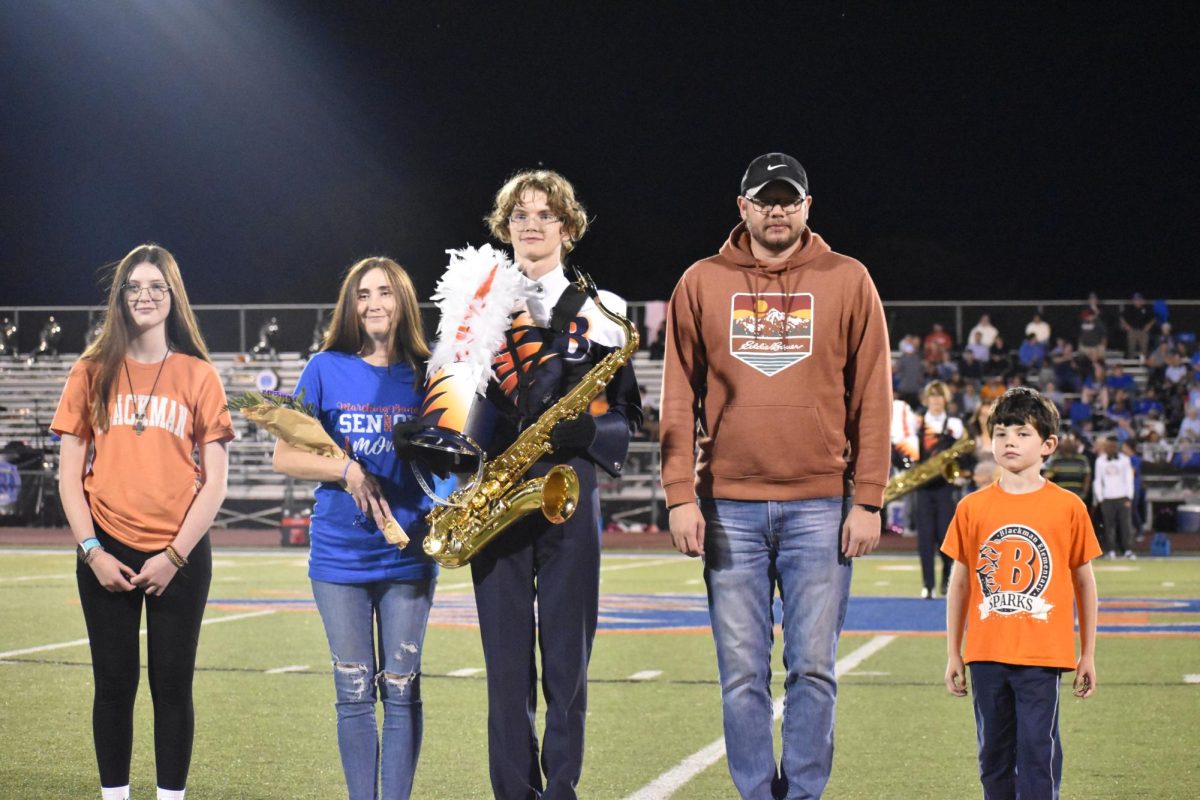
{"x":560,"y":197}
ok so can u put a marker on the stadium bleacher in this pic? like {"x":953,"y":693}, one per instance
{"x":29,"y":392}
{"x":257,"y":495}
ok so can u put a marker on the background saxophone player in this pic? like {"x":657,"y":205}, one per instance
{"x":557,"y":567}
{"x":936,"y":498}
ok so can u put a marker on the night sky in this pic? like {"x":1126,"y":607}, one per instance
{"x":961,"y":150}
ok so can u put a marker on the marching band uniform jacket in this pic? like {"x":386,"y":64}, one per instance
{"x":549,"y":348}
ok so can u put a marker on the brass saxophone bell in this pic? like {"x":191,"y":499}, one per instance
{"x":951,"y":471}
{"x":560,"y":494}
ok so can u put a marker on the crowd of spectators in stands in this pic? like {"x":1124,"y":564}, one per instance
{"x":1128,"y":377}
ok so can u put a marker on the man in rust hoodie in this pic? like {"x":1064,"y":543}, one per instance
{"x":777,"y":374}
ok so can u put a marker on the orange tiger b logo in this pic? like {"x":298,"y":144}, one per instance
{"x":1014,"y":569}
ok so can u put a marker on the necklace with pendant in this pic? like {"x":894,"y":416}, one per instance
{"x":139,"y":417}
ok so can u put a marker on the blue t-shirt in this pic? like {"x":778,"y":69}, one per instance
{"x":358,"y":404}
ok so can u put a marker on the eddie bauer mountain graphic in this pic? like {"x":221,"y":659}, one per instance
{"x":770,"y":332}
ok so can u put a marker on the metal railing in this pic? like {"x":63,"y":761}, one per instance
{"x":235,"y":327}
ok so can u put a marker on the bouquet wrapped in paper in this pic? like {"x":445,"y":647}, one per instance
{"x":290,"y":420}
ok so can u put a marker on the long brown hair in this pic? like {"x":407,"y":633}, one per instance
{"x":345,"y":334}
{"x":108,"y":349}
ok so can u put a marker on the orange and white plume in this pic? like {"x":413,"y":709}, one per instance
{"x":477,"y":295}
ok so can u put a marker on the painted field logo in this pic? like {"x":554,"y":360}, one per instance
{"x":770,"y":332}
{"x":1013,"y":570}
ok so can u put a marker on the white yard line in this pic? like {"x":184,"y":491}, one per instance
{"x":465,"y":672}
{"x":673,"y":779}
{"x":656,"y":563}
{"x":63,"y":576}
{"x":289,"y":668}
{"x":645,"y":675}
{"x":1191,"y":678}
{"x":76,"y":642}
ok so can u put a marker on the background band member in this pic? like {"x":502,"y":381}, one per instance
{"x":555,"y":567}
{"x":936,"y":499}
{"x":777,"y":352}
{"x":366,"y":379}
{"x":141,"y":398}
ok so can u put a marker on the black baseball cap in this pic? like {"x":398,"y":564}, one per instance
{"x":774,"y":167}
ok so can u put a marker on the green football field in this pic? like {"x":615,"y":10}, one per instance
{"x":264,"y":696}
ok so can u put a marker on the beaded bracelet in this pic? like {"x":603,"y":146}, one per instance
{"x":179,"y":561}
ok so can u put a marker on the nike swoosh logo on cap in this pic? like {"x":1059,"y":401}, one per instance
{"x":776,"y":166}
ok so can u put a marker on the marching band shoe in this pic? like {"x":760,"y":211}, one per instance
{"x":1130,"y":555}
{"x":927,"y":593}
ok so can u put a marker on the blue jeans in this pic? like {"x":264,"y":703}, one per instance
{"x":354,"y":615}
{"x":750,"y":548}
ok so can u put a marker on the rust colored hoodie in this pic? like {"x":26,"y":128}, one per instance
{"x":785,"y":368}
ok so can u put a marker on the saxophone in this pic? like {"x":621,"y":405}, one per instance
{"x":477,"y":513}
{"x":940,"y":465}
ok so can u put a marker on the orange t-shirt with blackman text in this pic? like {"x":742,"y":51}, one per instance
{"x":140,"y":487}
{"x":1020,"y":551}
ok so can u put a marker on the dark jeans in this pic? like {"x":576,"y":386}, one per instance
{"x":935,"y":509}
{"x":1016,"y":723}
{"x":556,"y":568}
{"x":1118,"y":524}
{"x":172,"y":633}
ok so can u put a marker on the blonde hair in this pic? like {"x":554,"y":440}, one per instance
{"x":560,"y":197}
{"x":108,"y":349}
{"x":345,"y":334}
{"x":938,"y":389}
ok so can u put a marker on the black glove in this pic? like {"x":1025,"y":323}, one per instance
{"x":574,"y":434}
{"x":402,"y":433}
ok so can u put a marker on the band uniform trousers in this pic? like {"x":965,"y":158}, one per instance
{"x":558,"y":567}
{"x":935,"y":509}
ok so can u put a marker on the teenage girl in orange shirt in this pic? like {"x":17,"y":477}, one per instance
{"x":141,"y":400}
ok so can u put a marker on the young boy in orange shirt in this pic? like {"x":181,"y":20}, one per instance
{"x":1022,"y":549}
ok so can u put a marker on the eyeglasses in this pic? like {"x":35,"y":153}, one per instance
{"x":544,"y":218}
{"x":157,"y":291}
{"x":765,"y":206}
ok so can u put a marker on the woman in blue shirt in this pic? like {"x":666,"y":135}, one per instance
{"x":365,"y":380}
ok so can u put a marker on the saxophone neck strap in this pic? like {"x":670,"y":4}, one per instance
{"x":568,"y":305}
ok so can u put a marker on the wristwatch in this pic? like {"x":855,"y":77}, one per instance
{"x":84,"y":549}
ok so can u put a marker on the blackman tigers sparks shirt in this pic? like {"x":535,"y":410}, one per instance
{"x":1020,"y":551}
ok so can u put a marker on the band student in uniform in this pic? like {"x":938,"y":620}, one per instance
{"x":555,"y":567}
{"x":777,"y":355}
{"x":141,"y":400}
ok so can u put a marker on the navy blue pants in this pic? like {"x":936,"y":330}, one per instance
{"x":556,"y":567}
{"x":1016,"y":722}
{"x":935,"y":509}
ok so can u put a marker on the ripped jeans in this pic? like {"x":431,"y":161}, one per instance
{"x":375,"y":633}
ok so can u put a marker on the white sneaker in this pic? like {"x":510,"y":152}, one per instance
{"x":927,"y":594}
{"x":1132,"y":556}
{"x":1111,"y":555}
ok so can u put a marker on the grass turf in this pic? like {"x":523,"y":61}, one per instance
{"x":271,"y":735}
